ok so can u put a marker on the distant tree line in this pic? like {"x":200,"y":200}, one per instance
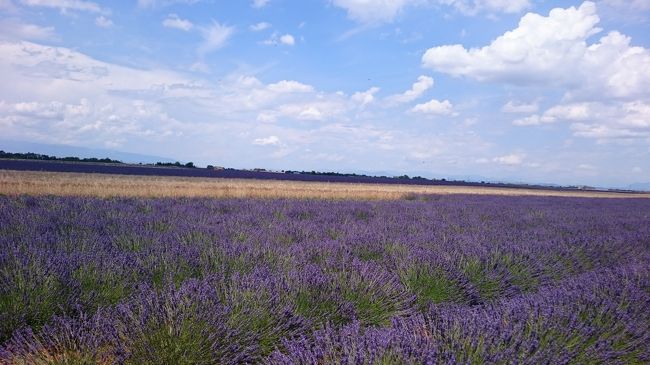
{"x":38,"y":156}
{"x":329,"y":173}
{"x":176,"y":164}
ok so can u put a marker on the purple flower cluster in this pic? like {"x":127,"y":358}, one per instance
{"x":429,"y":280}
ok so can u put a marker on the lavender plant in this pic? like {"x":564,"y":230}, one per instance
{"x":426,"y":280}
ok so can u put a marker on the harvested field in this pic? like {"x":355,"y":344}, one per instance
{"x":107,"y":185}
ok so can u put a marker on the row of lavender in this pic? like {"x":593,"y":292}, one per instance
{"x":440,"y":279}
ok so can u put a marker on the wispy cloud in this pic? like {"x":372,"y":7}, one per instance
{"x":474,"y":7}
{"x":215,"y":36}
{"x":7,"y":6}
{"x":151,"y":4}
{"x":520,"y":107}
{"x":257,"y":4}
{"x":260,"y":26}
{"x":418,"y":88}
{"x":66,"y":5}
{"x":373,"y":11}
{"x":103,"y":22}
{"x":15,"y":29}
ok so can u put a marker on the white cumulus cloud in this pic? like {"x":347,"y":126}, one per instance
{"x":364,"y":98}
{"x":173,"y":21}
{"x":512,"y":159}
{"x":289,"y":86}
{"x":553,"y":50}
{"x":600,"y":120}
{"x":434,"y":107}
{"x":60,"y":95}
{"x":567,"y":112}
{"x":287,"y":39}
{"x":534,"y":119}
{"x":538,"y":45}
{"x":267,"y":141}
{"x":418,"y":88}
{"x":276,"y":39}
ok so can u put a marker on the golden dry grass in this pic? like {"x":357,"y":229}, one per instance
{"x":105,"y":185}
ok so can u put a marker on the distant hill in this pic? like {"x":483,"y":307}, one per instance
{"x":81,"y":152}
{"x":639,"y":186}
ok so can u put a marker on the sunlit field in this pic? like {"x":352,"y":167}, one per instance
{"x":108,"y":185}
{"x":419,"y":279}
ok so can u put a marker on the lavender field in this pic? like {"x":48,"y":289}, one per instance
{"x":425,"y":280}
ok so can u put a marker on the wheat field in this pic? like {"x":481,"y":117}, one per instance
{"x":106,"y":185}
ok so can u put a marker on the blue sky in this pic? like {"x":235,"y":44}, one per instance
{"x":520,"y":90}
